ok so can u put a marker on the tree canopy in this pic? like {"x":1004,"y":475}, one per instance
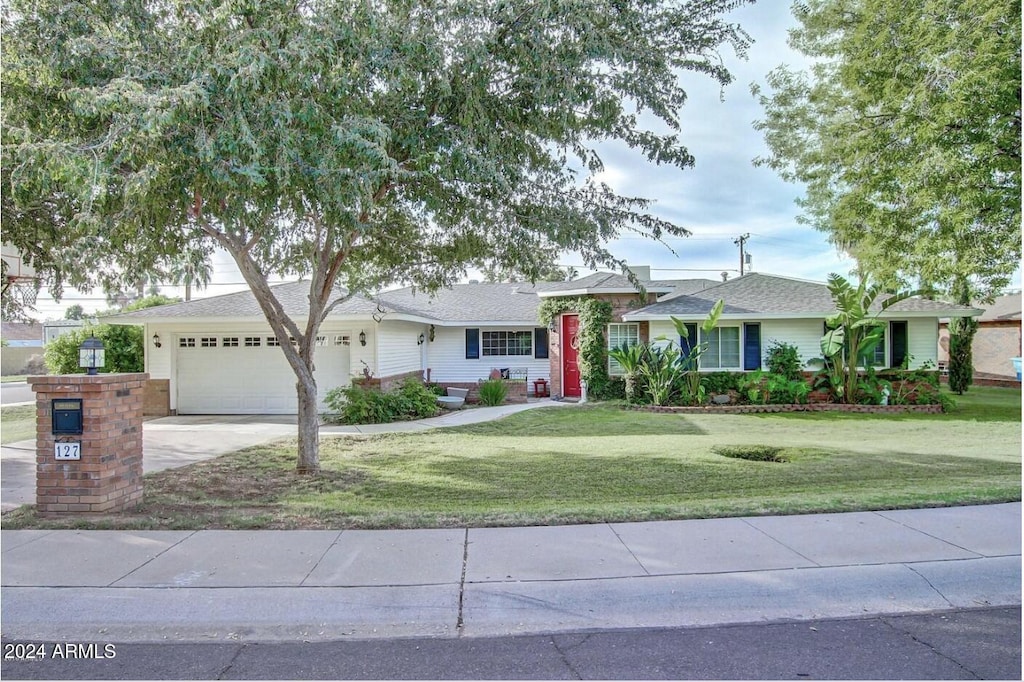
{"x":906,"y":134}
{"x":351,"y":142}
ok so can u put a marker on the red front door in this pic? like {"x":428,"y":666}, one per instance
{"x":570,"y":356}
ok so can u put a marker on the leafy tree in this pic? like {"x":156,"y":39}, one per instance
{"x":123,"y":349}
{"x":351,"y":142}
{"x":74,"y":312}
{"x":906,"y":134}
{"x":543,"y":267}
{"x":961,"y":347}
{"x":188,"y":269}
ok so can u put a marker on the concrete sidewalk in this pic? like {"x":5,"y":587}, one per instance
{"x":126,"y":586}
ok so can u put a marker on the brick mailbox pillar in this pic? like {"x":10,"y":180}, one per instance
{"x":107,"y":477}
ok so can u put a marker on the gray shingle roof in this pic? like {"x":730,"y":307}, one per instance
{"x":294,"y":297}
{"x":598,"y":282}
{"x":22,"y":331}
{"x":503,"y":302}
{"x":1001,"y":309}
{"x":751,"y":295}
{"x":760,"y":294}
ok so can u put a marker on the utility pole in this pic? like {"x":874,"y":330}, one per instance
{"x":740,"y":241}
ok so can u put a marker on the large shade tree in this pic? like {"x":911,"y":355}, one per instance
{"x":352,"y":142}
{"x":905,"y":131}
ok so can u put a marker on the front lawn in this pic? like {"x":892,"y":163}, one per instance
{"x":599,"y":463}
{"x":17,"y":422}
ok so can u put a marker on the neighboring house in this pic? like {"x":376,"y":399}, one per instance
{"x":53,"y":329}
{"x":23,"y":349}
{"x":22,"y":334}
{"x":218,"y":355}
{"x":997,"y":340}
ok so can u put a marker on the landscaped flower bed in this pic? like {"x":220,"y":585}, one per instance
{"x":813,"y":407}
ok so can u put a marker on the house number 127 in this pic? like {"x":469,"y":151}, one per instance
{"x":67,"y":450}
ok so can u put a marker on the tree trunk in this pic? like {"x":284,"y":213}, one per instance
{"x":309,"y":428}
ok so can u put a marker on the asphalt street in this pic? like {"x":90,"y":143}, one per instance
{"x":983,"y":643}
{"x":15,"y":392}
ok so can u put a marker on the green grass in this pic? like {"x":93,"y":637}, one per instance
{"x":17,"y":422}
{"x":598,"y":463}
{"x":12,"y":378}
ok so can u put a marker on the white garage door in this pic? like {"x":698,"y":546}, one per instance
{"x":228,"y":373}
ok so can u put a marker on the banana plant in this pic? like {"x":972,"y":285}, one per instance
{"x":854,"y":330}
{"x":691,"y":362}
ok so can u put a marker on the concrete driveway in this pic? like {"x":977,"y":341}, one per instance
{"x":167,"y":443}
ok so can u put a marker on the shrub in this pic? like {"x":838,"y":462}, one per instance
{"x":721,"y":382}
{"x":122,"y":343}
{"x":784,"y":359}
{"x":493,"y":392}
{"x":753,"y":453}
{"x":762,"y":388}
{"x":615,"y":389}
{"x":358,"y":405}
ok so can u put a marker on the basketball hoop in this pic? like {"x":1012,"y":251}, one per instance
{"x":19,"y":295}
{"x":20,"y":285}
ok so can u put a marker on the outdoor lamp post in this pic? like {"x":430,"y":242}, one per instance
{"x":91,"y":355}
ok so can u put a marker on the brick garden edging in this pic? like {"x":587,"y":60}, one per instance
{"x":816,"y":407}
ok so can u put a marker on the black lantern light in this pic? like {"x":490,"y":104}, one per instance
{"x":362,"y":338}
{"x":91,"y":355}
{"x":420,"y":340}
{"x":156,"y":340}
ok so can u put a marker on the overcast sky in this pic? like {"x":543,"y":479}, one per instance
{"x":724,"y":195}
{"x":721,"y":198}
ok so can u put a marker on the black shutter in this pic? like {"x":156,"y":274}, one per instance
{"x":472,"y":344}
{"x":752,"y":346}
{"x":898,"y":339}
{"x":540,"y":343}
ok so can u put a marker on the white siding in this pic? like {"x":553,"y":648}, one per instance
{"x":663,"y":328}
{"x":446,"y":358}
{"x":397,"y":351}
{"x":161,"y":362}
{"x":804,"y":334}
{"x":923,"y":340}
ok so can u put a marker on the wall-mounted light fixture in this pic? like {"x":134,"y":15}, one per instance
{"x":431,"y":337}
{"x":362,"y":338}
{"x":421,"y":339}
{"x":156,"y":340}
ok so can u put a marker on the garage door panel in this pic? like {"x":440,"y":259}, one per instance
{"x":248,"y":380}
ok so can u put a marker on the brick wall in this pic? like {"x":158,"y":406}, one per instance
{"x":517,"y":390}
{"x":108,"y":477}
{"x":156,"y":398}
{"x":392,"y":382}
{"x":994,"y":344}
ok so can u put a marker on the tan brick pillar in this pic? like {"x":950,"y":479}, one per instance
{"x":108,"y":477}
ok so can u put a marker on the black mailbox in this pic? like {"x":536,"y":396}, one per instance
{"x":67,"y":415}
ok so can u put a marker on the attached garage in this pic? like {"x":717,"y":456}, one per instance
{"x":247,"y":373}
